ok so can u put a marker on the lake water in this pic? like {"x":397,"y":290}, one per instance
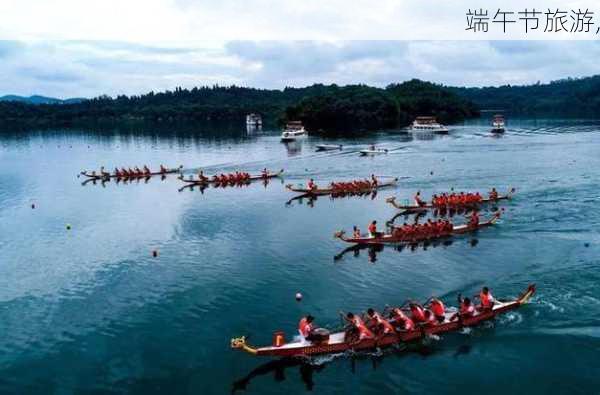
{"x":91,"y":310}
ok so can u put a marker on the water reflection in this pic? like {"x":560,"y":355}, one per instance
{"x":311,"y":199}
{"x":374,"y":250}
{"x":307,"y":367}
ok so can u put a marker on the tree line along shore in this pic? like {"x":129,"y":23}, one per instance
{"x":324,"y":108}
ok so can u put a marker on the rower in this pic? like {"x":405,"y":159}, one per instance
{"x":467,"y":309}
{"x":430,"y":318}
{"x":402,"y":321}
{"x":379,"y":325}
{"x":373,"y":229}
{"x":305,"y":327}
{"x":356,"y":232}
{"x":201,"y":176}
{"x":474,"y":219}
{"x":438,"y":309}
{"x":374,"y":181}
{"x":418,"y":200}
{"x":146,"y":170}
{"x":311,"y":184}
{"x":493,"y":194}
{"x":265,"y":173}
{"x":117,"y":172}
{"x":417,"y":312}
{"x":478,"y":198}
{"x":357,"y":325}
{"x":163,"y":169}
{"x":486,"y":298}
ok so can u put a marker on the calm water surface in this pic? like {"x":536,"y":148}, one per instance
{"x":90,"y":310}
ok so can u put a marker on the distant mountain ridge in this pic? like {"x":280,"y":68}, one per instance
{"x":38,"y":99}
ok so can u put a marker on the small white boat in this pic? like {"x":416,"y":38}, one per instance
{"x":293,"y":131}
{"x":428,"y":125}
{"x":373,"y":151}
{"x":328,"y":147}
{"x":498,"y":124}
{"x":254,"y":120}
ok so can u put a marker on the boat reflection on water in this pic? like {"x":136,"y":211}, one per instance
{"x":294,"y":148}
{"x":202,"y":187}
{"x":117,"y":181}
{"x":277,"y":368}
{"x":308,"y":367}
{"x":373,"y":250}
{"x":311,"y":199}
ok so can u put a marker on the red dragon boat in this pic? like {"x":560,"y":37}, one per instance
{"x":211,"y":180}
{"x":391,"y":238}
{"x":106,"y":176}
{"x":416,"y":208}
{"x":333,"y":191}
{"x":337,"y":342}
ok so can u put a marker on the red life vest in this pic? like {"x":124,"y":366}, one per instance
{"x":372,"y":228}
{"x":437,"y":308}
{"x":417,"y":313}
{"x":467,"y":310}
{"x":387,"y":327}
{"x":486,"y":299}
{"x":364,"y":332}
{"x":304,"y":327}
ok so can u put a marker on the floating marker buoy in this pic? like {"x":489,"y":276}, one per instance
{"x":298,"y":296}
{"x":68,"y":226}
{"x":586,"y":244}
{"x":33,"y":206}
{"x":431,"y":172}
{"x":154,"y":253}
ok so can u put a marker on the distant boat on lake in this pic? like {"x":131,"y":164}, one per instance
{"x":254,"y":120}
{"x":498,"y":124}
{"x":428,"y":125}
{"x":293,"y":131}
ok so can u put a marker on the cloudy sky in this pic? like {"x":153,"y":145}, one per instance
{"x":90,"y":68}
{"x":74,"y":48}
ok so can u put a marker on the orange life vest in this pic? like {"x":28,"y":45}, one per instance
{"x":486,"y":299}
{"x":387,"y":327}
{"x":417,"y":313}
{"x":364,"y":332}
{"x":304,"y":327}
{"x":372,"y":228}
{"x":437,"y":308}
{"x":467,"y":310}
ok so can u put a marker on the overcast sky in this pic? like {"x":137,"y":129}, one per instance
{"x":91,"y":68}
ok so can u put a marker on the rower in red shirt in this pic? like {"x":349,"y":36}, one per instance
{"x":402,"y":320}
{"x":438,"y":309}
{"x":373,"y":229}
{"x":417,"y":312}
{"x":305,"y":327}
{"x":311,"y":184}
{"x":378,"y":324}
{"x":486,"y":298}
{"x":357,"y":324}
{"x":474,"y":219}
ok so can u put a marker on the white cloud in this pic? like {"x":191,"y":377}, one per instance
{"x":91,"y":68}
